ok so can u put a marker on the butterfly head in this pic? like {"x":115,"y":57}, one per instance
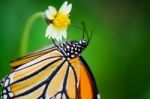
{"x":74,"y":48}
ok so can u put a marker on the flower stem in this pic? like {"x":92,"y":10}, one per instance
{"x":25,"y":35}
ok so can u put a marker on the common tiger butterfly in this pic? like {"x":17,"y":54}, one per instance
{"x":58,"y":72}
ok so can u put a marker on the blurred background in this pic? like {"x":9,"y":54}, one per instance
{"x":118,"y":55}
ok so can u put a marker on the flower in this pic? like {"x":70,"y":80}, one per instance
{"x":58,"y":22}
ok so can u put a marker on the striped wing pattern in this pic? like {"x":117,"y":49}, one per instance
{"x":45,"y":75}
{"x":48,"y":75}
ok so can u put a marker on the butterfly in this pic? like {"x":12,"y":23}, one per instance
{"x":58,"y":72}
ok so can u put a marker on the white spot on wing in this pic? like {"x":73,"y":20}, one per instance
{"x":77,"y":84}
{"x":11,"y":94}
{"x":58,"y":96}
{"x":5,"y":96}
{"x":3,"y":79}
{"x":6,"y":82}
{"x":52,"y":98}
{"x":8,"y":88}
{"x":4,"y":91}
{"x":11,"y":78}
{"x":47,"y":97}
{"x":98,"y":96}
{"x":64,"y":97}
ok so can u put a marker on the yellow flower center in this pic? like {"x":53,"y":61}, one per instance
{"x":61,"y":21}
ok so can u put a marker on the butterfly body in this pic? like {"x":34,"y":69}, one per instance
{"x":73,"y":49}
{"x":58,"y":72}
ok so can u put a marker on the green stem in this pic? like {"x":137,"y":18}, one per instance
{"x":25,"y":35}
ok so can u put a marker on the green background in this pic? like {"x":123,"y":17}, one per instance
{"x":118,"y":55}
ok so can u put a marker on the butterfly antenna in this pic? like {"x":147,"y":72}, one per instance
{"x":85,"y":30}
{"x":91,"y":35}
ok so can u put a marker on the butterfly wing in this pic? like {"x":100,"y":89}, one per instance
{"x":29,"y":80}
{"x":50,"y":75}
{"x":22,"y":60}
{"x":87,"y":87}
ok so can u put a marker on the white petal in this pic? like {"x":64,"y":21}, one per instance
{"x":68,"y":9}
{"x":57,"y":36}
{"x":64,"y":34}
{"x":63,"y":7}
{"x":60,"y":35}
{"x":52,"y":9}
{"x":51,"y":12}
{"x":55,"y":33}
{"x":49,"y":15}
{"x":49,"y":30}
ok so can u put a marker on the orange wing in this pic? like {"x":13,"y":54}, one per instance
{"x":87,"y":87}
{"x":47,"y":74}
{"x":29,"y":80}
{"x":20,"y":61}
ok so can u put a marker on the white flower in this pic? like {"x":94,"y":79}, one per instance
{"x":58,"y":22}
